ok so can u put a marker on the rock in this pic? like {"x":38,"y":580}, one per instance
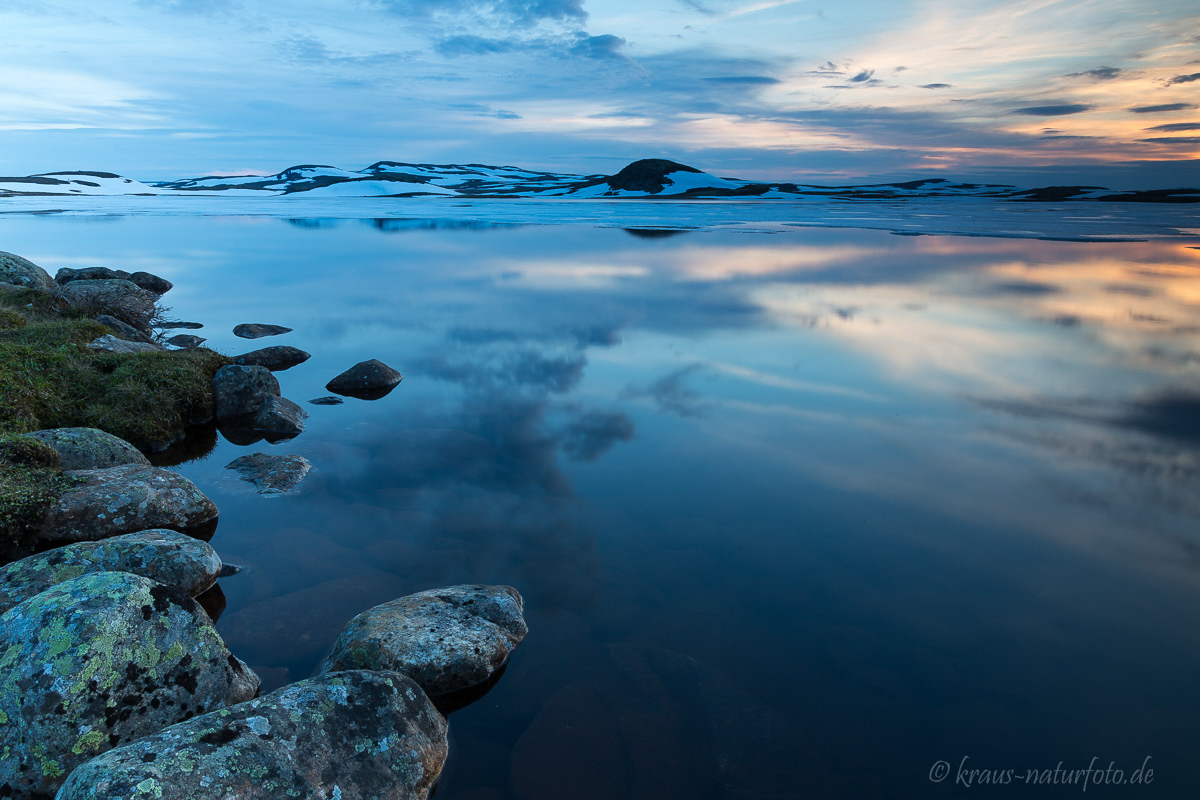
{"x":271,"y":474}
{"x":242,"y":390}
{"x":21,"y":272}
{"x":186,"y":340}
{"x":151,"y":283}
{"x":123,"y":329}
{"x":118,"y":298}
{"x":100,"y":660}
{"x":367,"y":380}
{"x":447,"y":640}
{"x":327,"y":401}
{"x":279,"y":418}
{"x":276,"y":358}
{"x":111,"y":344}
{"x":89,"y":448}
{"x":177,"y":324}
{"x":166,"y":557}
{"x":67,"y":275}
{"x":121,"y":500}
{"x":257,"y":330}
{"x":349,"y":735}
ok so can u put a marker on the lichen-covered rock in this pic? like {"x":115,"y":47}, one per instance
{"x":100,"y":660}
{"x":276,"y":358}
{"x":126,"y":301}
{"x":447,"y":640}
{"x":111,"y":344}
{"x":367,"y":380}
{"x":241,"y":390}
{"x":89,"y":448}
{"x":124,"y":500}
{"x":22,"y":272}
{"x":257,"y":330}
{"x":166,"y":557}
{"x":280,"y":418}
{"x":348,"y":735}
{"x":271,"y":474}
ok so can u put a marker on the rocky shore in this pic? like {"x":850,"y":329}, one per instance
{"x":114,"y":682}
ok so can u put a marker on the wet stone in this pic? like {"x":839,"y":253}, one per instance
{"x":276,"y":359}
{"x":271,"y":474}
{"x":366,"y":380}
{"x":241,"y":390}
{"x":279,"y":418}
{"x":327,"y":401}
{"x":257,"y":330}
{"x":362,"y":735}
{"x":186,"y":340}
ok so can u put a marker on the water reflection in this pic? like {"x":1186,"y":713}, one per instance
{"x":791,"y":514}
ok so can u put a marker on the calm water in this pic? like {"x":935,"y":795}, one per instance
{"x":794,"y":515}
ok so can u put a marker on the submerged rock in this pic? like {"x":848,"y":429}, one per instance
{"x":327,"y":401}
{"x":22,"y":272}
{"x":89,"y":448}
{"x":241,"y":390}
{"x":124,"y":499}
{"x":348,"y":735}
{"x":186,"y":340}
{"x":100,"y":660}
{"x":111,"y":344}
{"x":271,"y":474}
{"x":276,"y":359}
{"x":257,"y":330}
{"x":279,"y":418}
{"x":447,"y":640}
{"x":166,"y":557}
{"x":366,"y":380}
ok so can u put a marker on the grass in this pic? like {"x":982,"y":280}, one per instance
{"x":50,"y":379}
{"x":30,"y":480}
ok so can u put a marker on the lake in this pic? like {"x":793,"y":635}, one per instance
{"x":795,"y":514}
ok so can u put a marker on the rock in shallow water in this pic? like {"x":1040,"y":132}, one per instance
{"x":100,"y":660}
{"x":348,"y":735}
{"x":280,"y":418}
{"x":276,"y":359}
{"x":257,"y":330}
{"x":166,"y":557}
{"x":271,"y":474}
{"x":124,"y":500}
{"x":447,"y":640}
{"x":327,"y":401}
{"x":366,"y":380}
{"x":186,"y":340}
{"x":89,"y":448}
{"x":241,"y":390}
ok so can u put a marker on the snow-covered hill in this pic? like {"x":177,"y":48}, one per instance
{"x":645,"y":179}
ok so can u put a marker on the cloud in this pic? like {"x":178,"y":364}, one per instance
{"x":1099,"y":74}
{"x":1172,"y":140}
{"x":593,"y":433}
{"x":304,"y":50}
{"x":603,"y":46}
{"x":1195,"y":76}
{"x":671,"y":394}
{"x":467,"y":45}
{"x":1052,"y":111}
{"x":1176,"y":126}
{"x":199,"y":8}
{"x":936,"y":86}
{"x":480,"y":110}
{"x":863,"y":76}
{"x":747,"y":80}
{"x":1161,"y":108}
{"x":523,"y":12}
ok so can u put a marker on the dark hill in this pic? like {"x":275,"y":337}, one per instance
{"x":647,"y":175}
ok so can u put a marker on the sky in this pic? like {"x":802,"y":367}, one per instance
{"x":1031,"y":92}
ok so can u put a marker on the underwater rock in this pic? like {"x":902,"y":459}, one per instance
{"x":271,"y":474}
{"x":447,"y":640}
{"x":276,"y":358}
{"x":327,"y":401}
{"x":89,"y":448}
{"x":22,"y":272}
{"x":163,"y":556}
{"x":257,"y":330}
{"x":367,"y":380}
{"x":241,"y":390}
{"x":124,"y":499}
{"x":100,"y":660}
{"x":348,"y":735}
{"x":279,"y":418}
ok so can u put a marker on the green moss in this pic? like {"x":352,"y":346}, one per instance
{"x":50,"y":379}
{"x":30,"y":481}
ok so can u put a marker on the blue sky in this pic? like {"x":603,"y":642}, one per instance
{"x":1026,"y":91}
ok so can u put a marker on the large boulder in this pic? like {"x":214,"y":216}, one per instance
{"x":68,"y":274}
{"x":100,"y":660}
{"x":348,"y":735}
{"x":118,"y":298}
{"x":279,"y":418}
{"x":276,"y":359}
{"x":151,"y":282}
{"x":447,"y":640}
{"x":367,"y":380}
{"x":21,"y":272}
{"x":166,"y":557}
{"x":257,"y":330}
{"x":124,"y":500}
{"x":89,"y":448}
{"x":271,"y":474}
{"x":241,"y":390}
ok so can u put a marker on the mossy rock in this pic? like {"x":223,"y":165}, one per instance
{"x":22,"y":272}
{"x":100,"y":660}
{"x":89,"y":448}
{"x":351,"y":735}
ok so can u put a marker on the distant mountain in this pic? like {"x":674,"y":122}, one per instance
{"x":652,"y":178}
